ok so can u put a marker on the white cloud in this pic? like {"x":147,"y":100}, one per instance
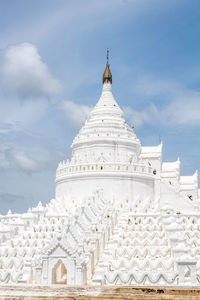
{"x":178,"y":105}
{"x":28,"y":158}
{"x":25,"y":151}
{"x":23,"y":113}
{"x":138,"y":118}
{"x":151,"y":86}
{"x":25,"y":74}
{"x":75,"y":113}
{"x":183,"y":110}
{"x":22,"y":161}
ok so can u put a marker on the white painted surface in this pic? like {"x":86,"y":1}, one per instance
{"x":112,"y":220}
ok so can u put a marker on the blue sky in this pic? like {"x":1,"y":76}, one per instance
{"x":52,"y":56}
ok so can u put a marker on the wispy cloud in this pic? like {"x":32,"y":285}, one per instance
{"x":10,"y":198}
{"x":139,"y":118}
{"x":28,"y":159}
{"x":68,"y":15}
{"x":23,"y":151}
{"x":183,"y":109}
{"x":178,"y":105}
{"x":151,"y":86}
{"x":75,"y":113}
{"x":22,"y":161}
{"x":15,"y":112}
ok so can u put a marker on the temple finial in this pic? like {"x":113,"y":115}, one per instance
{"x":107,"y":76}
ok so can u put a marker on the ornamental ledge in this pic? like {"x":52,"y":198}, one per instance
{"x":103,"y":167}
{"x":104,"y":139}
{"x":102,"y":173}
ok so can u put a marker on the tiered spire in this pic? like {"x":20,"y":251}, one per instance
{"x":107,"y":76}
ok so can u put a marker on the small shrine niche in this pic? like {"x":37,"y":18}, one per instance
{"x":59,"y":273}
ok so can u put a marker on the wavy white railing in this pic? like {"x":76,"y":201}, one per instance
{"x":9,"y":277}
{"x":145,"y":242}
{"x":127,"y":279}
{"x":192,"y":234}
{"x":142,"y":227}
{"x":9,"y":263}
{"x":146,"y":234}
{"x":142,"y":264}
{"x":142,"y":252}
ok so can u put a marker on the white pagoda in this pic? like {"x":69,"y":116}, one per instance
{"x":121,"y":216}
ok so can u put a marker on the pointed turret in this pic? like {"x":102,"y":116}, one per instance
{"x":106,"y":124}
{"x":107,"y":76}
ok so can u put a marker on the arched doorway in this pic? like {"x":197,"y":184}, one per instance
{"x":59,"y":273}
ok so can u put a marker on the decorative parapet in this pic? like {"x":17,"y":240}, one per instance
{"x":66,"y":170}
{"x":8,"y":276}
{"x":133,"y":279}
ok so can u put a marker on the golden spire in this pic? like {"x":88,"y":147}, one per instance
{"x":107,"y":76}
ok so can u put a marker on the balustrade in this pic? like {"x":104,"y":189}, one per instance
{"x":83,"y":168}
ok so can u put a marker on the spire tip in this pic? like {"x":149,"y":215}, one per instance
{"x":107,"y":75}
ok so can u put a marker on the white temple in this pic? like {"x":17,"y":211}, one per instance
{"x":121,"y":216}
